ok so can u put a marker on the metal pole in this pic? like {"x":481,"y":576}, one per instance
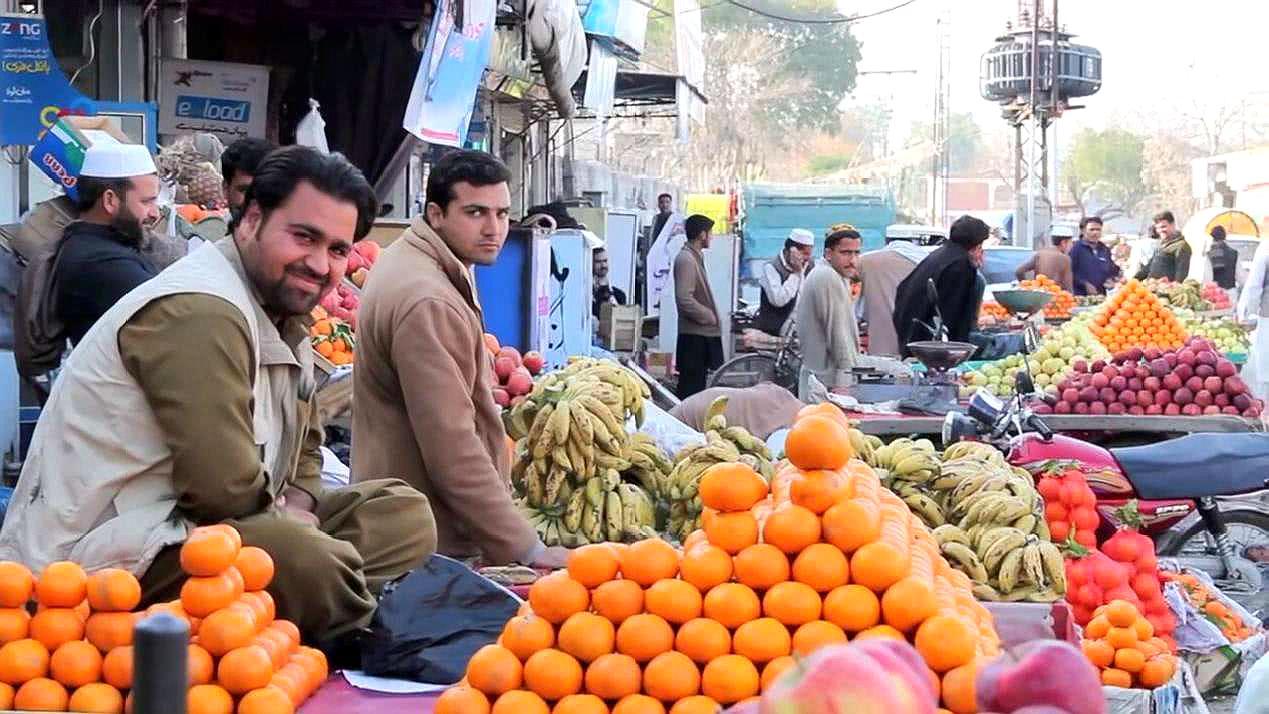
{"x":1035,"y":123}
{"x":160,"y":674}
{"x":1055,"y":98}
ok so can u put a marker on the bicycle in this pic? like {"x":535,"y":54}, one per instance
{"x":781,"y":366}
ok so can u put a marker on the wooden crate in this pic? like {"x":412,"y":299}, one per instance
{"x":620,"y":326}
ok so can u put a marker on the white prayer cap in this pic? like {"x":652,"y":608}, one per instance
{"x":107,"y":160}
{"x":802,"y":236}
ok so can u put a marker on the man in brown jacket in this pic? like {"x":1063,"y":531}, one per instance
{"x":1052,"y":262}
{"x":700,"y":344}
{"x":423,"y":387}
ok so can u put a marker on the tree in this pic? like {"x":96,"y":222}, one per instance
{"x":964,"y":142}
{"x":1166,"y":174}
{"x":1107,"y":166}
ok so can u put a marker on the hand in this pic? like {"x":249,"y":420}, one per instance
{"x":796,"y":261}
{"x":296,"y":510}
{"x":552,"y":558}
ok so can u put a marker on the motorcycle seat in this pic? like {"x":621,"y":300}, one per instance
{"x":1197,"y":465}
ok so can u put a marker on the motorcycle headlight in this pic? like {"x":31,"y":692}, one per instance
{"x":985,"y":407}
{"x":958,"y":427}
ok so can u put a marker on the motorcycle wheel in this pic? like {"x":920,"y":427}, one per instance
{"x":1246,"y":528}
{"x":745,"y":371}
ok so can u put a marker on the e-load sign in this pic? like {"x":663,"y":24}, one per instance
{"x":221,"y":98}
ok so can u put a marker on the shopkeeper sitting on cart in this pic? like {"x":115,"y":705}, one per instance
{"x":191,"y":402}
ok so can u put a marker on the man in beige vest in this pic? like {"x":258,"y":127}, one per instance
{"x":882,"y":271}
{"x":190,"y":402}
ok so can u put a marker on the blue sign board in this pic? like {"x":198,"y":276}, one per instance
{"x":453,"y":62}
{"x":33,"y":90}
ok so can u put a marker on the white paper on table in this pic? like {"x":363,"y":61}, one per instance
{"x":361,"y":680}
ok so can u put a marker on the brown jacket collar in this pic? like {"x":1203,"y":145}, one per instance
{"x":422,"y":236}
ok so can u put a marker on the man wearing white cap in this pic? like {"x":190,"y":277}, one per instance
{"x":781,"y":281}
{"x":101,"y":258}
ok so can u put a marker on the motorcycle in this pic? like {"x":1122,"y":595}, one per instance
{"x":1194,"y":494}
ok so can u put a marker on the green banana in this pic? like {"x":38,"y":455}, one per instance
{"x":949,"y":533}
{"x":573,"y":513}
{"x":1010,"y":571}
{"x":612,"y":517}
{"x":966,"y":560}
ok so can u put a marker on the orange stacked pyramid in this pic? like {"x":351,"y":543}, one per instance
{"x":1134,"y":317}
{"x":822,"y":556}
{"x":75,"y":653}
{"x":1060,"y":307}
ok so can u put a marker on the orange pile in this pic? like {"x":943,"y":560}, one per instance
{"x":1060,"y":307}
{"x":1204,"y":599}
{"x":825,"y":556}
{"x":1134,"y":317}
{"x":332,"y":337}
{"x":75,"y":653}
{"x":1120,"y":642}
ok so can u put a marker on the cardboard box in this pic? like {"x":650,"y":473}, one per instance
{"x":620,"y":327}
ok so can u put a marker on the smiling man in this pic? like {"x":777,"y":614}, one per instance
{"x":424,"y":381}
{"x":190,"y":402}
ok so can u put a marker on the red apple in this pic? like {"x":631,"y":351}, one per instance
{"x":845,"y":678}
{"x":1107,"y":395}
{"x":1136,"y":384}
{"x":1098,"y":365}
{"x":1081,"y":408}
{"x":1172,"y":382}
{"x":1079,"y":366}
{"x":1221,"y":400}
{"x":511,"y":353}
{"x":1235,"y":385}
{"x":1136,"y":410}
{"x":1163,"y":397}
{"x":1116,"y":408}
{"x":1154,"y":410}
{"x":1144,"y":398}
{"x":1062,"y":407}
{"x":1118,"y":384}
{"x":1194,"y":384}
{"x":1183,"y":396}
{"x":1192,"y":410}
{"x":520,"y":382}
{"x":1211,"y":410}
{"x":501,"y":398}
{"x":1225,"y":368}
{"x":1128,"y":397}
{"x":1041,"y":673}
{"x":1184,"y":371}
{"x":503,"y":367}
{"x":1097,"y":408}
{"x":1070,"y":395}
{"x":1204,"y":398}
{"x":1187,"y":357}
{"x":1152,"y":384}
{"x":1204,"y":371}
{"x":1232,"y":411}
{"x":1172,"y":409}
{"x":1100,"y":381}
{"x":534,"y":362}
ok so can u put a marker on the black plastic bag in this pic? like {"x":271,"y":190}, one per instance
{"x":432,"y":620}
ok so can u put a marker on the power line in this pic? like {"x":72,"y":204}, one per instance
{"x":817,"y":20}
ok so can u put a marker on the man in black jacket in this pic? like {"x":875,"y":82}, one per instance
{"x":1224,"y":259}
{"x":954,"y":270}
{"x":100,"y":257}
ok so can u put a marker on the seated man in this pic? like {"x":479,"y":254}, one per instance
{"x":192,"y":402}
{"x":761,"y":409}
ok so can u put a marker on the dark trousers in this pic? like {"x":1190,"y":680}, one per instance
{"x":696,"y":356}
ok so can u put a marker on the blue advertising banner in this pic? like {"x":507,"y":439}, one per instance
{"x":449,"y":73}
{"x":33,"y":89}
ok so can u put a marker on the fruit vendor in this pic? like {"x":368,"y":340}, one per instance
{"x":954,"y":270}
{"x":781,"y":280}
{"x":1052,"y":262}
{"x":1171,"y":258}
{"x":192,"y":402}
{"x":423,"y":387}
{"x":1092,"y":265}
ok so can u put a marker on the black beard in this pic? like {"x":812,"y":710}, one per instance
{"x":130,"y":227}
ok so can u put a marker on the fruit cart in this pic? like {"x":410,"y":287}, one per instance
{"x":1161,"y":426}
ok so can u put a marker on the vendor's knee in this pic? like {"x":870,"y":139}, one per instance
{"x":419,"y":531}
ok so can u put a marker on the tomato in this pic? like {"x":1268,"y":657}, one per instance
{"x":1088,"y":539}
{"x":1050,"y":489}
{"x":1085,"y":518}
{"x":1059,"y":531}
{"x":1123,"y":547}
{"x":1146,"y":585}
{"x":1073,"y":492}
{"x":1090,"y":596}
{"x":1055,"y":512}
{"x":1108,"y":574}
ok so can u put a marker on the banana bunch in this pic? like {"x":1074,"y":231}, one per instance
{"x":866,"y":446}
{"x":647,"y":463}
{"x":621,"y":391}
{"x":1005,"y":563}
{"x":681,"y":488}
{"x":905,"y":467}
{"x":571,"y":440}
{"x":747,"y":444}
{"x":604,"y":509}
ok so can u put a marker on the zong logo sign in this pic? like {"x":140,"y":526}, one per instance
{"x":213,"y":109}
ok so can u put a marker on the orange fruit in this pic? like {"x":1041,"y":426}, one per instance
{"x":817,"y":442}
{"x":97,"y":698}
{"x":526,"y":634}
{"x":1121,"y":637}
{"x":266,"y":700}
{"x":580,"y":704}
{"x":699,"y":704}
{"x":1144,"y":629}
{"x":761,"y":565}
{"x":881,"y":632}
{"x":116,"y":667}
{"x":1157,"y":671}
{"x":56,"y":626}
{"x":15,"y":624}
{"x":732,"y":605}
{"x":733,"y":532}
{"x":593,"y":565}
{"x":613,"y":676}
{"x":671,"y":676}
{"x":494,"y":670}
{"x":518,"y":701}
{"x":1112,"y":677}
{"x":208,"y":699}
{"x":762,"y":640}
{"x":854,"y":608}
{"x":731,"y":487}
{"x":226,"y":630}
{"x":705,"y":566}
{"x":1098,"y":652}
{"x":823,"y":566}
{"x":556,"y":597}
{"x":208,"y":551}
{"x":776,"y":667}
{"x":553,"y":674}
{"x":908,"y":603}
{"x":824,"y":409}
{"x":1097,"y":627}
{"x":22,"y":660}
{"x":16,"y":584}
{"x":113,"y":590}
{"x":618,"y":599}
{"x":288,"y":628}
{"x":277,"y":645}
{"x":946,"y":642}
{"x":958,"y":689}
{"x":75,"y":664}
{"x":674,"y":600}
{"x":461,"y":700}
{"x":816,"y":634}
{"x":792,"y":603}
{"x":108,"y":630}
{"x":201,"y":596}
{"x":645,"y":636}
{"x":638,"y":704}
{"x":703,"y":639}
{"x":1130,"y":660}
{"x":819,"y":491}
{"x":878,"y":565}
{"x":729,"y":679}
{"x":200,"y":666}
{"x":314,"y":663}
{"x":41,"y":695}
{"x":648,"y":561}
{"x":244,"y":669}
{"x":586,"y":636}
{"x":256,"y":567}
{"x":851,"y":524}
{"x":293,"y":680}
{"x":1121,"y":613}
{"x":791,"y":528}
{"x":62,"y":584}
{"x":228,"y":530}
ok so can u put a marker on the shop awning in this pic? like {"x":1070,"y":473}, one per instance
{"x":644,"y":93}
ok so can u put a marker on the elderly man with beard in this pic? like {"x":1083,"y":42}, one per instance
{"x":100,"y":257}
{"x":191,"y":402}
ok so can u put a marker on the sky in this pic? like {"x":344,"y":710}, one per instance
{"x":1160,"y":57}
